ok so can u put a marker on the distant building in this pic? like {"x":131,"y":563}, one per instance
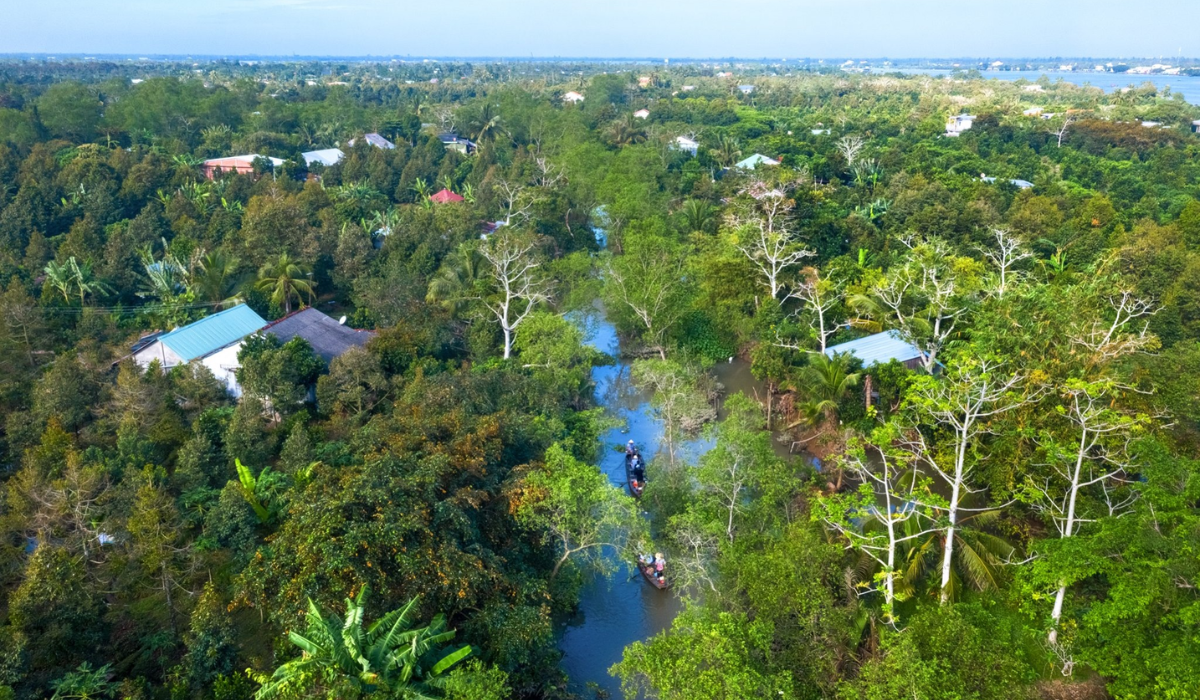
{"x":644,"y":81}
{"x":572,"y":97}
{"x":1034,"y":88}
{"x":1150,"y":124}
{"x":880,"y":348}
{"x":689,"y":88}
{"x":328,"y":338}
{"x":454,"y":142}
{"x":687,"y":145}
{"x":754,"y":161}
{"x":746,"y":89}
{"x":213,"y":341}
{"x":1019,"y":184}
{"x":243,"y":165}
{"x":445,"y":197}
{"x":957,"y":125}
{"x":325,"y":156}
{"x":1196,"y":126}
{"x":642,"y":114}
{"x":1033,"y":112}
{"x":820,"y":132}
{"x":375,"y":140}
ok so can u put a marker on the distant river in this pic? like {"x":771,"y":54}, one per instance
{"x":1188,"y":86}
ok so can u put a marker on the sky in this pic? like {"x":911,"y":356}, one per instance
{"x":605,"y":28}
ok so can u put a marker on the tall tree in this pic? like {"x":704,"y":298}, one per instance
{"x":285,"y":279}
{"x":518,"y":282}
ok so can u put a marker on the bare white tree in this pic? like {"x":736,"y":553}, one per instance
{"x":764,"y":238}
{"x":519,"y":283}
{"x":1108,"y":340}
{"x":1099,"y":458}
{"x":1007,"y":252}
{"x":818,"y":297}
{"x":1061,"y":132}
{"x":516,"y":201}
{"x":850,"y":147}
{"x":971,"y":392}
{"x":924,"y":299}
{"x":894,"y":501}
{"x":548,"y":174}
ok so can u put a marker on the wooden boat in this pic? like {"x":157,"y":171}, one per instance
{"x":648,"y":573}
{"x":635,"y":491}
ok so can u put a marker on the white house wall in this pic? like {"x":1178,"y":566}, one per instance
{"x":157,"y":351}
{"x":224,"y":365}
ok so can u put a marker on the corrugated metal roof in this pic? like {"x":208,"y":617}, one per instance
{"x":327,"y":337}
{"x":324,"y":156}
{"x":881,"y":347}
{"x":756,"y":160}
{"x":212,"y":333}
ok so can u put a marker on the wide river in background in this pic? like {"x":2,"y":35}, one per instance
{"x":1186,"y":85}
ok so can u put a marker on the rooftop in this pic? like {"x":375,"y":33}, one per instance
{"x":328,"y":338}
{"x":212,"y":333}
{"x":248,"y":158}
{"x":324,"y":156}
{"x":446,"y":196}
{"x":756,"y":160}
{"x":881,"y":347}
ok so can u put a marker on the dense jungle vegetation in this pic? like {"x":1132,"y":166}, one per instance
{"x":1018,"y":516}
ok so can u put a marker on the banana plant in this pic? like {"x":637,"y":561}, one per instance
{"x":251,"y":486}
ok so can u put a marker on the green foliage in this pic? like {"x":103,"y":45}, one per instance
{"x":347,"y":658}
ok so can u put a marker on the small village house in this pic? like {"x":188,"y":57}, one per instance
{"x":687,"y":145}
{"x":880,"y":348}
{"x":642,"y":114}
{"x":446,"y":197}
{"x":644,"y":81}
{"x":213,"y":341}
{"x":243,"y":165}
{"x":325,"y":156}
{"x":375,"y":140}
{"x":958,"y":124}
{"x":754,"y":161}
{"x":572,"y":97}
{"x":1196,"y":126}
{"x":453,"y":142}
{"x":216,"y":340}
{"x":329,"y":338}
{"x":746,"y":89}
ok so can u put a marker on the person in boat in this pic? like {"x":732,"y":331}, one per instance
{"x":638,"y":467}
{"x":630,"y":449}
{"x":659,"y":565}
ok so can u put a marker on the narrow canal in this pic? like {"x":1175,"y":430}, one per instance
{"x":615,"y":612}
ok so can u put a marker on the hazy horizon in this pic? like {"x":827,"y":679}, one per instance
{"x":619,"y":29}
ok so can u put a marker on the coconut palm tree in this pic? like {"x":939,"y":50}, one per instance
{"x":728,"y":151}
{"x":345,"y":658}
{"x":454,"y":284}
{"x":697,"y":215}
{"x":977,"y":556}
{"x":825,"y":381}
{"x":486,"y":125}
{"x":215,"y":278}
{"x":626,"y":132}
{"x":285,"y":278}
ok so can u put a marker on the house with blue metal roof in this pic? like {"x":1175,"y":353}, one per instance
{"x":880,"y":348}
{"x":213,"y":341}
{"x":754,"y":161}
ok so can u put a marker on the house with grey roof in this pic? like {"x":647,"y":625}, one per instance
{"x":213,"y":341}
{"x":375,"y":140}
{"x":880,"y":348}
{"x":453,"y":142}
{"x":329,"y":338}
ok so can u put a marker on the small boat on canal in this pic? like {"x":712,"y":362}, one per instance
{"x":636,"y":484}
{"x":648,"y":571}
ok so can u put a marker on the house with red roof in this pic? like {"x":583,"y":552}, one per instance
{"x":446,"y":196}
